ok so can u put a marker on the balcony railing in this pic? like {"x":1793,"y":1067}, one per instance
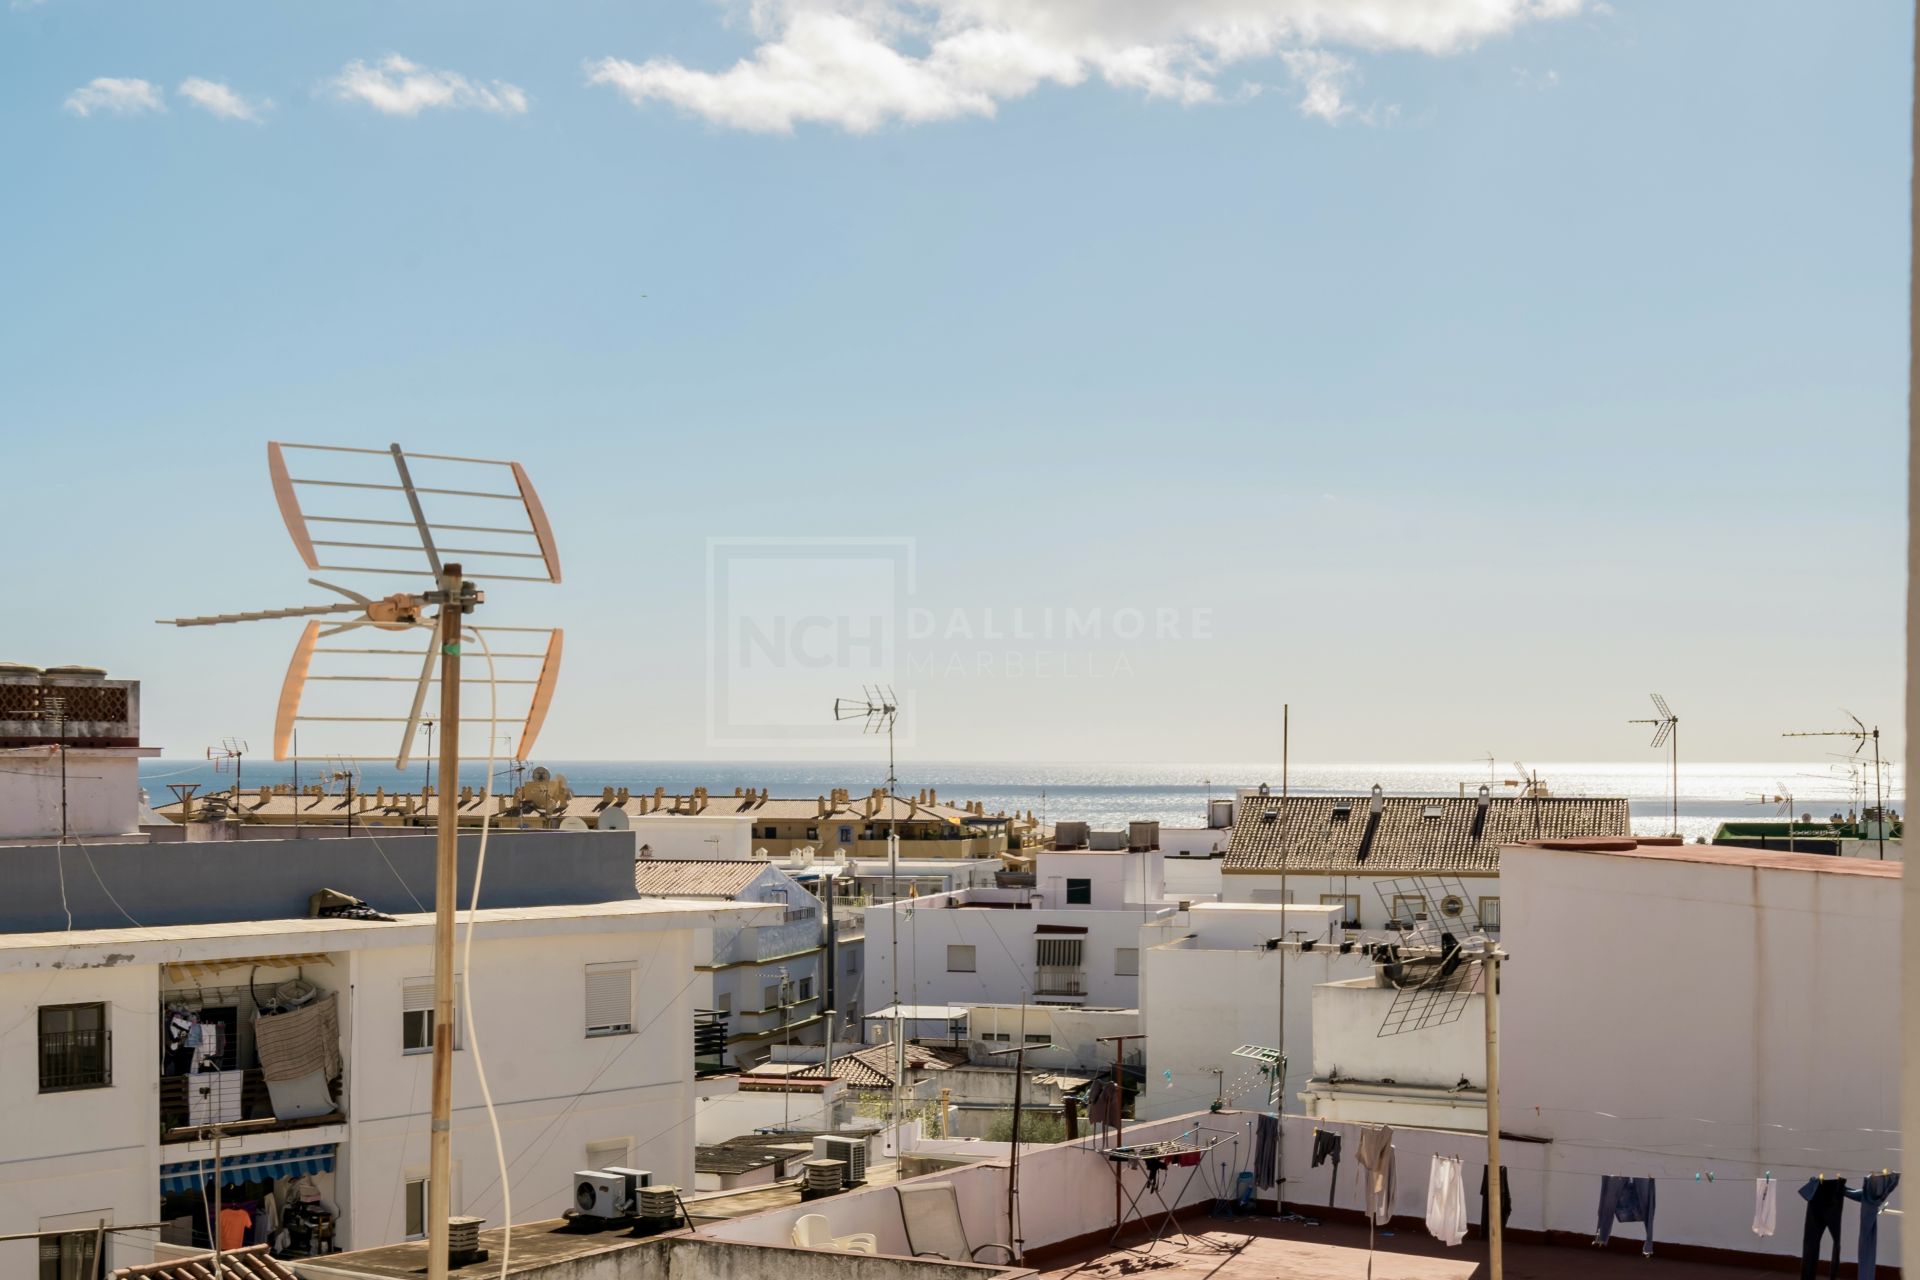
{"x":239,"y":1097}
{"x":709,"y":1040}
{"x":1059,"y":980}
{"x":75,"y":1060}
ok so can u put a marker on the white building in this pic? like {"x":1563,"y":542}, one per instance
{"x":766,"y":981}
{"x":1073,"y":939}
{"x":1210,"y":982}
{"x":581,"y":1011}
{"x":1347,"y":851}
{"x":70,"y":743}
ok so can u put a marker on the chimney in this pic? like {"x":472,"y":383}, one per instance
{"x":621,"y":797}
{"x":466,"y":794}
{"x":822,"y":807}
{"x":1379,"y":801}
{"x":1485,"y":797}
{"x":606,"y":796}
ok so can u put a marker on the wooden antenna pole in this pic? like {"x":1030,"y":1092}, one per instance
{"x":446,"y":881}
{"x":1491,"y":975}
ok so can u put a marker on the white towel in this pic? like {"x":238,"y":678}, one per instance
{"x":1446,"y":1201}
{"x":1765,"y":1207}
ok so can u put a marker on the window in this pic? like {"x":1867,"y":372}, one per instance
{"x":416,"y":1197}
{"x":416,"y":1015}
{"x":614,"y":1153}
{"x":69,"y":1255}
{"x":770,"y":833}
{"x":960,"y":960}
{"x":1341,"y":812}
{"x":1126,"y":962}
{"x":1490,"y":914}
{"x":995,"y":1037}
{"x":813,"y":833}
{"x":1079,"y":892}
{"x":1062,"y":953}
{"x":76,"y":1049}
{"x":1430,"y":812}
{"x":846,"y":835}
{"x":1408,"y":907}
{"x":804,"y":990}
{"x":770,"y":996}
{"x":1037,"y":1039}
{"x":1349,"y":904}
{"x":610,"y":999}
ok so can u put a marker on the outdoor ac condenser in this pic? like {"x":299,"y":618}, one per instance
{"x":597,"y":1194}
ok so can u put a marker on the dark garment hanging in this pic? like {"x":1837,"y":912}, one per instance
{"x":1825,"y":1198}
{"x":1873,"y":1193}
{"x":1326,"y":1146}
{"x":1506,"y":1200}
{"x":1626,"y":1200}
{"x":1104,"y":1102}
{"x":1266,"y":1152}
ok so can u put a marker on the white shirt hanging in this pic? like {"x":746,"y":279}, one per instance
{"x":1765,"y":1206}
{"x":1446,"y":1201}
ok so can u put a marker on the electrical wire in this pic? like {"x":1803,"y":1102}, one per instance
{"x":466,"y":961}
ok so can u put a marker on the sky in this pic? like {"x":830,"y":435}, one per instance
{"x":1100,"y":377}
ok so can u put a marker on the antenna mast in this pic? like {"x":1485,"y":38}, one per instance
{"x":454,"y":596}
{"x":878,"y":709}
{"x":1861,"y":736}
{"x":1667,"y":733}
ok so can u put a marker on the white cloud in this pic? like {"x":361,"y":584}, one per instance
{"x":220,"y":100}
{"x":863,"y":64}
{"x":397,"y":87}
{"x":119,"y":97}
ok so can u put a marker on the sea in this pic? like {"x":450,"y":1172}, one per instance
{"x":1110,"y":795}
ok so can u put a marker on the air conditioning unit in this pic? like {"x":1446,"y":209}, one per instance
{"x":853,"y":1151}
{"x":597,"y":1194}
{"x":659,"y":1203}
{"x":632,"y":1182}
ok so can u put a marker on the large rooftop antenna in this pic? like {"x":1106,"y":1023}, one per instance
{"x":878,"y":710}
{"x":1666,"y":733}
{"x":1783,"y":799}
{"x":376,"y":491}
{"x":1861,"y":736}
{"x":227,"y":758}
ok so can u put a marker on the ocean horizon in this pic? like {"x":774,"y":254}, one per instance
{"x":1111,"y":794}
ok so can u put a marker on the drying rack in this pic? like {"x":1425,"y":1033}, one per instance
{"x":1155,"y":1159}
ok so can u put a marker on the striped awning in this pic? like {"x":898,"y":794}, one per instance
{"x":247,"y":1166}
{"x":199,"y":970}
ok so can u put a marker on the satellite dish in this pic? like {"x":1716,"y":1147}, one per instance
{"x":540,"y":773}
{"x":574,"y":824}
{"x":612,"y":819}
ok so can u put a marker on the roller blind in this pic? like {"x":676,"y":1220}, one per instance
{"x":610,"y":998}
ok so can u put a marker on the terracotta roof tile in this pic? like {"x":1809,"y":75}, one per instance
{"x":1412,"y":834}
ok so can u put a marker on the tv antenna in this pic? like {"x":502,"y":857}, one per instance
{"x":1784,"y":799}
{"x":1666,"y":733}
{"x":878,"y":710}
{"x":380,"y":500}
{"x":227,"y":758}
{"x":1434,"y":968}
{"x":1861,"y":736}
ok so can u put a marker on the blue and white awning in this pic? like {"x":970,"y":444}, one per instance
{"x":247,"y":1166}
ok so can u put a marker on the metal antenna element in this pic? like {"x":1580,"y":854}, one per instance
{"x":1666,"y":733}
{"x":380,"y":498}
{"x":879,"y":710}
{"x":1861,"y":736}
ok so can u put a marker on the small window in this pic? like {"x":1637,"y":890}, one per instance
{"x":770,"y":833}
{"x":1041,"y":1039}
{"x":615,"y":1153}
{"x":70,"y":1255}
{"x":76,"y":1048}
{"x":1430,"y":811}
{"x":813,"y":833}
{"x":416,"y":1206}
{"x":995,"y":1037}
{"x":1126,"y":962}
{"x":1408,"y":907}
{"x":1490,"y":914}
{"x":804,"y":990}
{"x":416,"y":1015}
{"x":1341,"y":812}
{"x":770,"y":996}
{"x":1079,"y":892}
{"x":960,"y":960}
{"x":846,"y":835}
{"x":610,"y":999}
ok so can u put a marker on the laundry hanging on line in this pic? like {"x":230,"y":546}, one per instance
{"x":1626,"y":1200}
{"x":1446,"y":1201}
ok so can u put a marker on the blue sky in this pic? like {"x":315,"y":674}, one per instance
{"x":1468,"y":382}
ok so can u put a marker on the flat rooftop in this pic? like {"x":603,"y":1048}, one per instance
{"x":535,"y":1245}
{"x":1262,"y":1248}
{"x":1724,"y":855}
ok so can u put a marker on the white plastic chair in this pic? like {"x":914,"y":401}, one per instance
{"x":812,"y":1231}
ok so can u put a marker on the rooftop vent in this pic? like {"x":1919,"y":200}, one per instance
{"x":1341,"y":812}
{"x":1430,"y":811}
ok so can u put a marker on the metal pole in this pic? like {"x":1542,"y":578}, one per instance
{"x":893,"y":945}
{"x":1493,"y":1111}
{"x":1013,"y":1169}
{"x":1286,"y":715}
{"x":1879,"y":803}
{"x":213,"y":1228}
{"x":445,"y":890}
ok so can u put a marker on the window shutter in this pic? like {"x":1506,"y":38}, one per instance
{"x":416,"y":995}
{"x":610,"y":998}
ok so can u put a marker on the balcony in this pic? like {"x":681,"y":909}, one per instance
{"x":1059,"y":980}
{"x":709,"y":1042}
{"x":75,"y":1060}
{"x":234,"y":1099}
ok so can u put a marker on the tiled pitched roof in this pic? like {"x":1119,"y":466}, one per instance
{"x":1413,"y":834}
{"x":873,"y":1068}
{"x":251,"y":1263}
{"x":692,"y":878}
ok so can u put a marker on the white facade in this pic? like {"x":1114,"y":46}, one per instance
{"x":1209,"y":985}
{"x":1688,"y":1009}
{"x":1358,"y":897}
{"x":1434,"y":1077}
{"x":102,"y":790}
{"x":693,"y":835}
{"x":99,"y":1150}
{"x":992,"y":946}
